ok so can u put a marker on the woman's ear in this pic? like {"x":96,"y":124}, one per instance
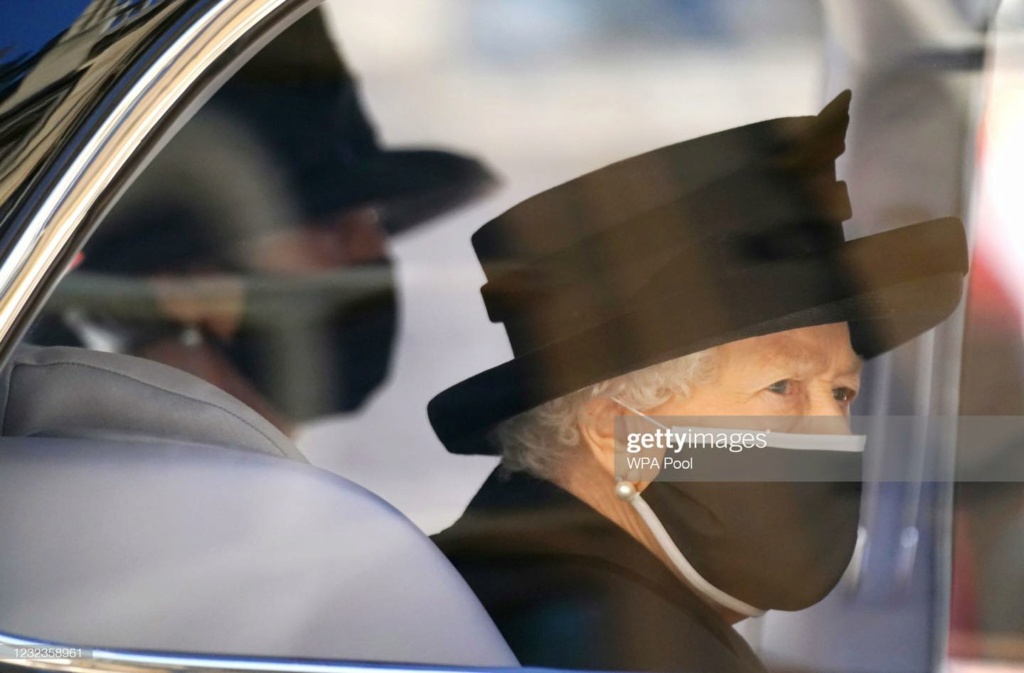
{"x":596,"y":422}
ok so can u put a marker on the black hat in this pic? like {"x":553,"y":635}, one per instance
{"x":720,"y":238}
{"x":299,"y":97}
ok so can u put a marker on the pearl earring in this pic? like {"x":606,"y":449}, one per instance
{"x":625,"y":490}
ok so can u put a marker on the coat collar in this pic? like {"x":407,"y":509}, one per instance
{"x":518,"y":518}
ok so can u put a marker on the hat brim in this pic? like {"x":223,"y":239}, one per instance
{"x":411,"y":186}
{"x":906,"y":281}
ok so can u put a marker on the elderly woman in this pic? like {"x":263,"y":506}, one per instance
{"x":708,"y":278}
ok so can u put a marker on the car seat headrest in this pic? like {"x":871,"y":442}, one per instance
{"x":62,"y":391}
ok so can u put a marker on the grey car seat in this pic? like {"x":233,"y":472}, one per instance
{"x":141,"y":508}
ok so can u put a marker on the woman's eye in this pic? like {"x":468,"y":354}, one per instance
{"x":779,"y":387}
{"x":844,"y":395}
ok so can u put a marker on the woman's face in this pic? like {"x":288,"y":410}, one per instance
{"x":811,"y":371}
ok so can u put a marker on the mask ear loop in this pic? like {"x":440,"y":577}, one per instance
{"x":627,"y":492}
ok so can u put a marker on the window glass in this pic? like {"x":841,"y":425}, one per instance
{"x":308,"y":243}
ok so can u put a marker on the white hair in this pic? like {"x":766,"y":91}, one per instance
{"x":538,"y":441}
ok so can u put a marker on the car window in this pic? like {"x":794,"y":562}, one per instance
{"x":335,"y":239}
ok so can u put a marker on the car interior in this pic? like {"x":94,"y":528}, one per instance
{"x":158,"y":513}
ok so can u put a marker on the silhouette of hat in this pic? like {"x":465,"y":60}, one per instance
{"x":298,"y":96}
{"x":712,"y":240}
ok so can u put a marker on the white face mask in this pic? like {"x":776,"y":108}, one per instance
{"x":774,"y":545}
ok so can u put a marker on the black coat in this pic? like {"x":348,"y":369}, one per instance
{"x":570,"y":589}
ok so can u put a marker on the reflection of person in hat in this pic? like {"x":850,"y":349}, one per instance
{"x":279,"y":177}
{"x":707,"y":278}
